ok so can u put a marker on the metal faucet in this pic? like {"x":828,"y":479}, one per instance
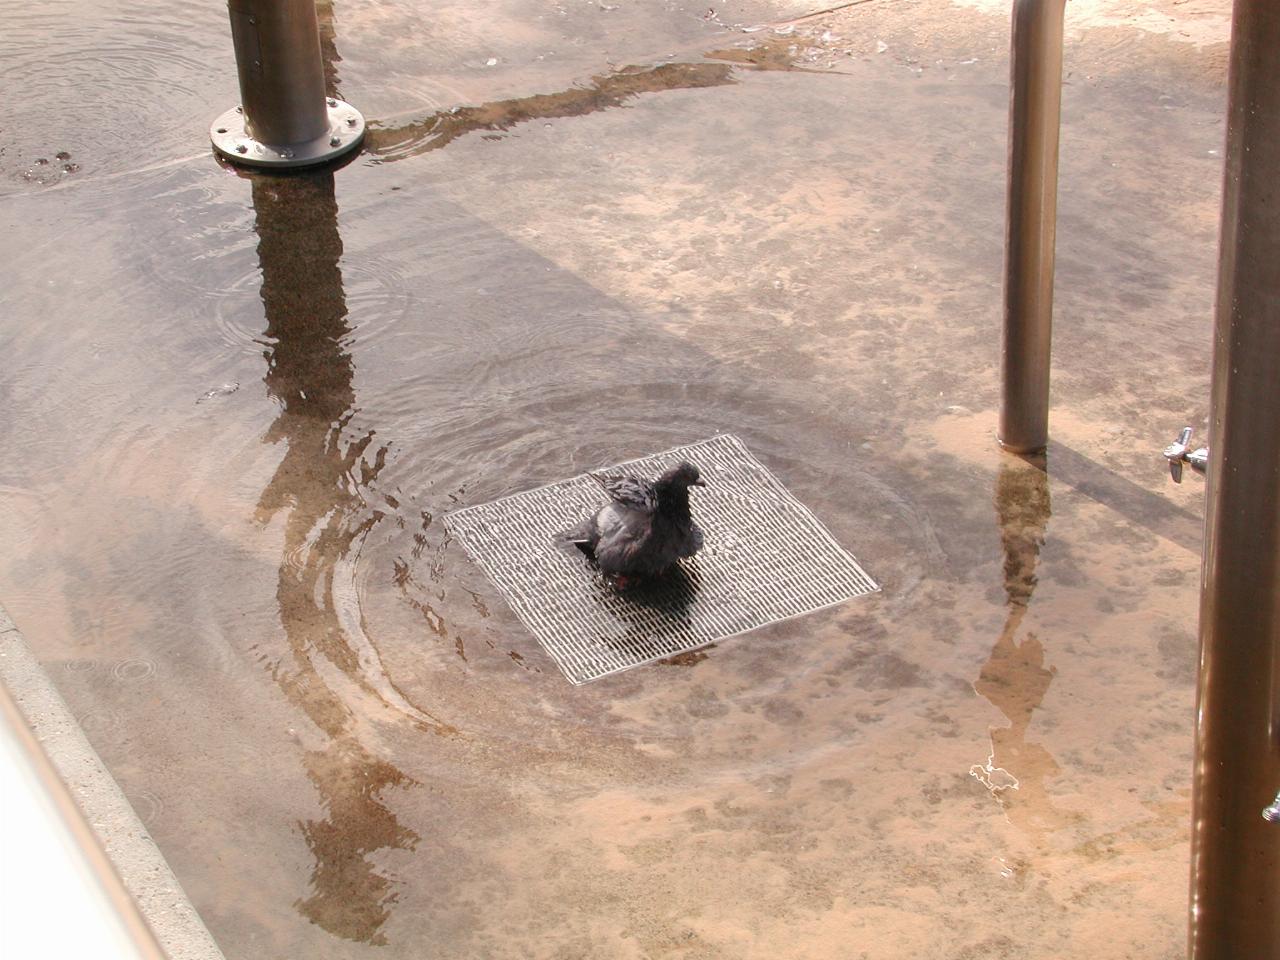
{"x":1272,"y":813}
{"x":1179,"y":452}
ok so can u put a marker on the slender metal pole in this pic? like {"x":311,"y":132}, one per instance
{"x":284,"y":118}
{"x":1235,"y":852}
{"x":277,"y":48}
{"x":1035,"y":100}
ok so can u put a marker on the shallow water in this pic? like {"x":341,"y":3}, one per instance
{"x":239,"y":406}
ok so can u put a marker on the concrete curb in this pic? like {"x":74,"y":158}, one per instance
{"x":160,"y":898}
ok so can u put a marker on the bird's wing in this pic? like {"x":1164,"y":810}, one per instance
{"x":630,"y":492}
{"x":624,"y":544}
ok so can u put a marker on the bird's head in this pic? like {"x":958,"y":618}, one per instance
{"x":682,"y":476}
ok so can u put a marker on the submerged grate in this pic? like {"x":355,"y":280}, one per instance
{"x":766,"y":559}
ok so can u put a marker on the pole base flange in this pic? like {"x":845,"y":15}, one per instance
{"x":346,"y":130}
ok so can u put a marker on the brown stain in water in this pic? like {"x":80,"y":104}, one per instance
{"x":438,"y":130}
{"x":601,"y":92}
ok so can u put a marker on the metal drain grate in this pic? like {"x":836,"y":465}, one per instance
{"x":767,"y":558}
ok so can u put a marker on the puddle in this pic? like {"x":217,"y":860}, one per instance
{"x":240,"y":405}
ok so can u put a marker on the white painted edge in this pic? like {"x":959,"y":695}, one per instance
{"x":134,"y":854}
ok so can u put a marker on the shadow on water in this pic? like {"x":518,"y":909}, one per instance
{"x":674,"y":592}
{"x":643,"y":605}
{"x":1014,"y":679}
{"x":646,"y":601}
{"x":1107,"y":487}
{"x":318,"y":484}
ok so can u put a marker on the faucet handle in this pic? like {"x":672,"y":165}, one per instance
{"x":1179,"y":452}
{"x":1176,"y":452}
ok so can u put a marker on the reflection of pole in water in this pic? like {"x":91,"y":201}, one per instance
{"x":309,"y":373}
{"x":1014,"y":678}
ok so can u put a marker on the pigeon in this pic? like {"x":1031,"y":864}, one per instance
{"x":646,"y":526}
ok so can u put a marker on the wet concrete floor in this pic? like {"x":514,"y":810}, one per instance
{"x":237,"y":406}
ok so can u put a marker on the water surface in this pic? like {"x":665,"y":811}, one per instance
{"x":239,"y":405}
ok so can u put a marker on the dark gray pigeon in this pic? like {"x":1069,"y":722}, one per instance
{"x":646,"y":526}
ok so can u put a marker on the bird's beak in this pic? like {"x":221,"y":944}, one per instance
{"x":697,"y":483}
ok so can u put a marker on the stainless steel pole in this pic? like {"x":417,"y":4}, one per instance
{"x":284,"y":118}
{"x":1235,"y":851}
{"x":1035,"y":100}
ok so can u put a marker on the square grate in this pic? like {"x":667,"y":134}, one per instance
{"x":766,"y":558}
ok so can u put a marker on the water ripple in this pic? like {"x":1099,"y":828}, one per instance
{"x":81,"y":79}
{"x":134,"y":669}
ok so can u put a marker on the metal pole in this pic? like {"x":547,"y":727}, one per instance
{"x":1235,"y":851}
{"x":1035,"y":100}
{"x":284,"y":118}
